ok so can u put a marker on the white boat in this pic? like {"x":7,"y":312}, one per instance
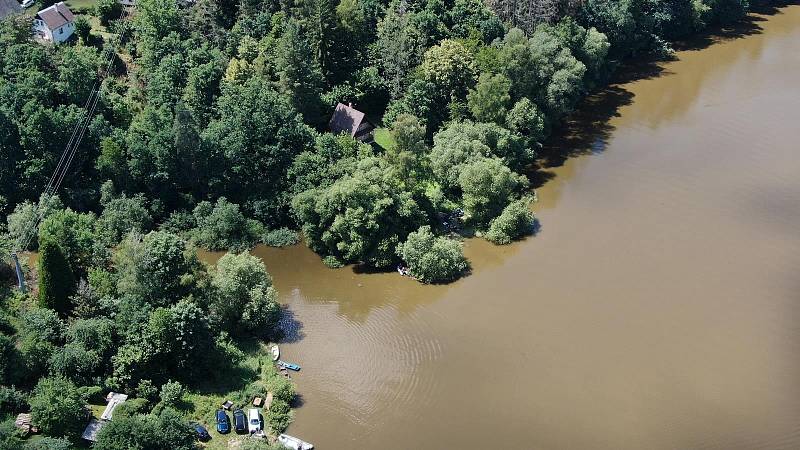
{"x":294,"y":443}
{"x":276,"y":352}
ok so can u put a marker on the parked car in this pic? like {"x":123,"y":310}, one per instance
{"x":239,"y":421}
{"x":202,"y":433}
{"x":254,"y":422}
{"x":223,"y":422}
{"x":28,"y":3}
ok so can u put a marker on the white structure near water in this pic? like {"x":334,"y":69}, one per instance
{"x":54,"y":24}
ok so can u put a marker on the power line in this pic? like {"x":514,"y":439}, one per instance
{"x":62,"y":168}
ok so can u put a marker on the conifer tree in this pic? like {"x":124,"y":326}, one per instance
{"x":56,"y":281}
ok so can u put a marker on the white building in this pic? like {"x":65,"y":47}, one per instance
{"x":54,"y":24}
{"x":114,"y":399}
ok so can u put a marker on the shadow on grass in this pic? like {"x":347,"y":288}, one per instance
{"x":229,"y":379}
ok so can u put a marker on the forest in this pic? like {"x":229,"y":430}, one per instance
{"x":211,"y":133}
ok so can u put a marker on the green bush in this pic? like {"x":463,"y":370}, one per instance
{"x":279,"y":416}
{"x":332,"y":262}
{"x":48,"y":443}
{"x":171,"y":393}
{"x":223,"y":226}
{"x":514,"y":222}
{"x":12,"y":401}
{"x":58,"y":407}
{"x":281,"y":237}
{"x":165,"y":430}
{"x":433,"y":259}
{"x":131,"y":408}
{"x":108,"y":10}
{"x":82,"y":28}
{"x":146,"y":390}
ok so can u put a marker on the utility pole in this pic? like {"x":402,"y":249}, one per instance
{"x":20,"y":277}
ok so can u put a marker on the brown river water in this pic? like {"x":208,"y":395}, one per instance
{"x":658,"y":307}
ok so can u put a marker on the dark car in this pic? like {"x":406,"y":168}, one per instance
{"x":223,"y":423}
{"x":239,"y":421}
{"x":202,"y":433}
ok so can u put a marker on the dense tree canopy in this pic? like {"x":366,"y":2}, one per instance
{"x":211,"y":131}
{"x":58,"y":407}
{"x":361,"y":217}
{"x":432,"y":259}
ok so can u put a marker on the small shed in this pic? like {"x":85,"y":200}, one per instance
{"x":352,"y":122}
{"x":23,"y":422}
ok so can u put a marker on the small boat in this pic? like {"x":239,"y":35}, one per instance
{"x":294,"y":443}
{"x":289,"y":366}
{"x":276,"y":352}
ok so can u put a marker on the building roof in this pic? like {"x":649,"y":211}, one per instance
{"x":22,"y":420}
{"x":114,"y":399}
{"x":9,"y":7}
{"x":90,"y":432}
{"x":346,"y":119}
{"x":56,"y":16}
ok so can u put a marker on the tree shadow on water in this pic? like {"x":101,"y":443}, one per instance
{"x":586,"y":131}
{"x":291,"y":329}
{"x":298,"y":401}
{"x":747,"y":26}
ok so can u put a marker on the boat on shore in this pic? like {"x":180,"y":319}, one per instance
{"x":276,"y":352}
{"x":294,"y":443}
{"x":289,"y":365}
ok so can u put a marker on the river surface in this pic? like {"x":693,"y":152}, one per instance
{"x":658,"y":307}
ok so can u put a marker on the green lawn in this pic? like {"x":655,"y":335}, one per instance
{"x":81,"y":6}
{"x":250,"y":378}
{"x":383,"y":137}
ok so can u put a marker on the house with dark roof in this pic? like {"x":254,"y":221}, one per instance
{"x":8,"y":8}
{"x":352,"y":122}
{"x":54,"y":24}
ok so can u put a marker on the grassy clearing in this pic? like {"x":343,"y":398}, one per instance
{"x":96,"y":409}
{"x":383,"y":137}
{"x":254,"y":375}
{"x":81,"y":6}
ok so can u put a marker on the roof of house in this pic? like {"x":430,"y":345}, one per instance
{"x":90,"y":432}
{"x":56,"y":16}
{"x":22,"y":419}
{"x":9,"y":7}
{"x":114,"y":399}
{"x":346,"y":119}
